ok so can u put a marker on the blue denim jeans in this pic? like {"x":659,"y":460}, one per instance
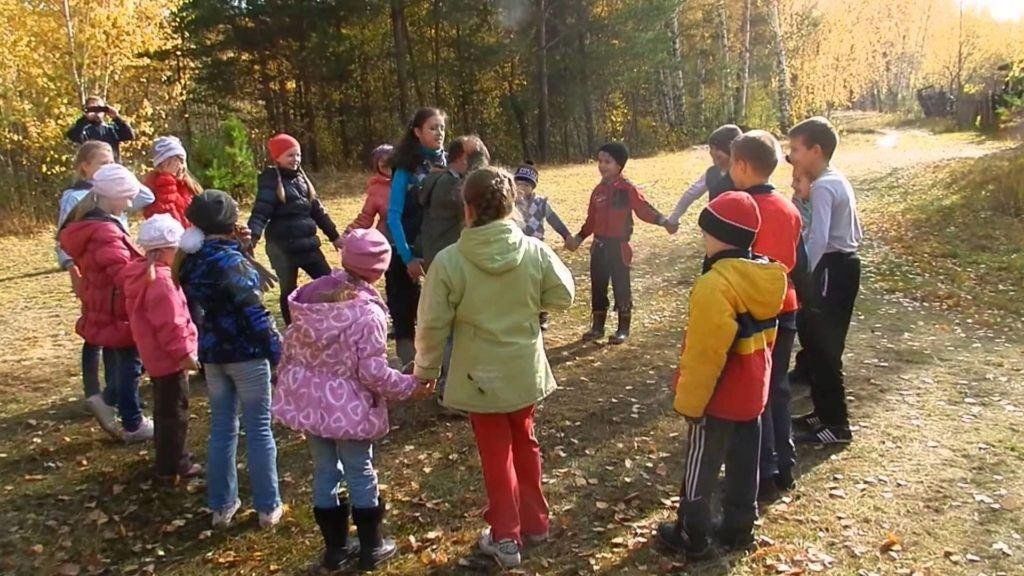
{"x":91,"y":354}
{"x":123,"y":370}
{"x":245,"y":384}
{"x":348,"y":460}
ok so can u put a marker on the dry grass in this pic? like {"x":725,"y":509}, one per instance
{"x":935,"y":393}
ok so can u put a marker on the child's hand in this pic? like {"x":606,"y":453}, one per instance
{"x":425,"y":389}
{"x":415,"y":269}
{"x":189,"y":364}
{"x":340,"y":241}
{"x":671,"y":227}
{"x":570,"y":243}
{"x":76,"y":279}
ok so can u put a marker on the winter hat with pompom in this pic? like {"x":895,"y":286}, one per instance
{"x":160,"y":231}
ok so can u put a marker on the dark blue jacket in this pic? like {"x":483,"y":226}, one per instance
{"x":235,"y":326}
{"x":291,"y":225}
{"x":112,"y":134}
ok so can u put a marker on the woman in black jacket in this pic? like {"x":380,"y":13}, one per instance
{"x":288,"y":212}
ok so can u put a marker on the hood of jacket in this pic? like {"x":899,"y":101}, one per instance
{"x":495,"y":248}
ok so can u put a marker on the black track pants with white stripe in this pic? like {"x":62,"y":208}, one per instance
{"x":710,"y":443}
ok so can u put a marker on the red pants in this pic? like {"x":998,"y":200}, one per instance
{"x":510,"y":458}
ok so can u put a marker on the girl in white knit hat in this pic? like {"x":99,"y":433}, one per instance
{"x":172,"y":184}
{"x":167,"y":341}
{"x":100,"y":247}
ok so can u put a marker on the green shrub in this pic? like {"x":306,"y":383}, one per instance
{"x":225,"y":160}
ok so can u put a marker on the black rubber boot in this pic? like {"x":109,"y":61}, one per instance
{"x":597,"y":327}
{"x":373,"y":547}
{"x":333,"y":523}
{"x":622,"y":333}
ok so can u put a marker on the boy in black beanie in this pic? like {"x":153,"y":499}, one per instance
{"x":610,"y":220}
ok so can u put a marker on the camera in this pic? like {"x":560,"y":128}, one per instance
{"x":97,"y":109}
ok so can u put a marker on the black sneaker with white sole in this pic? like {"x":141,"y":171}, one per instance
{"x":826,"y":436}
{"x":807,"y":422}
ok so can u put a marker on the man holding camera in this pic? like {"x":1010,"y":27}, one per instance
{"x":93,"y":126}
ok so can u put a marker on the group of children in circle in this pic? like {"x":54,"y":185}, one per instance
{"x":451,"y":235}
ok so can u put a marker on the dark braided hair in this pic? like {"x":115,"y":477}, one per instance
{"x":491,"y":193}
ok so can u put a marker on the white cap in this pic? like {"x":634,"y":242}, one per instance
{"x":160,"y":231}
{"x":166,"y":147}
{"x":116,"y":182}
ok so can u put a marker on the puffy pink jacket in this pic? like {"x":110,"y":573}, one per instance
{"x":375,"y":205}
{"x":100,"y":249}
{"x":334,"y":380}
{"x":159,"y":317}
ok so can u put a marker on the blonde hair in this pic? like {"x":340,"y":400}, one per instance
{"x":88,"y":152}
{"x":280,"y":185}
{"x":491,"y":193}
{"x":186,"y":176}
{"x":87,"y":204}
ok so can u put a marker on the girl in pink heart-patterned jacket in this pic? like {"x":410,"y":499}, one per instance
{"x":334,"y":384}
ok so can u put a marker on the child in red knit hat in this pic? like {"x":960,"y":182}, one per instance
{"x":722,"y":383}
{"x":288,"y":212}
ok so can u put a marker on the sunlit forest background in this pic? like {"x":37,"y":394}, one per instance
{"x":542,"y":79}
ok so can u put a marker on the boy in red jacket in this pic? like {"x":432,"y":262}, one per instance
{"x":610,"y":220}
{"x":723,"y":378}
{"x":755,"y":155}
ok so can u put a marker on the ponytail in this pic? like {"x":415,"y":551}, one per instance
{"x":280,"y":185}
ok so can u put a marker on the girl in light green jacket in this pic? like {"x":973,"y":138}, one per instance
{"x":487,"y":291}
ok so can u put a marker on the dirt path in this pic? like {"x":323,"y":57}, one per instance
{"x":936,"y":399}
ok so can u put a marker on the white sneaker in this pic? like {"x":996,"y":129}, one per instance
{"x":270,"y":519}
{"x":222,"y":518}
{"x":506,"y":552}
{"x":142,"y":434}
{"x":105,"y":414}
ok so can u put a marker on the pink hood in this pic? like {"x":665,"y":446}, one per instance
{"x":334,"y":380}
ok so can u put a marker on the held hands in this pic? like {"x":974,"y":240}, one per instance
{"x":671,"y":227}
{"x":415,"y":269}
{"x":571,"y":244}
{"x":425,"y":389}
{"x":340,"y":240}
{"x":189,"y":364}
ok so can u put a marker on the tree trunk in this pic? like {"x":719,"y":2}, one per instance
{"x":723,"y":49}
{"x":781,"y":68}
{"x":398,"y":34}
{"x":518,"y":113}
{"x":543,"y":125}
{"x":437,"y":50}
{"x":75,"y":70}
{"x":744,"y":80}
{"x":413,"y":69}
{"x":582,"y":37}
{"x":676,"y":79}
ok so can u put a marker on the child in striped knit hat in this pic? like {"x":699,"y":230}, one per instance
{"x":534,"y":211}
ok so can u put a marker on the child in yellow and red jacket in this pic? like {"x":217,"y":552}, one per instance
{"x":723,"y":377}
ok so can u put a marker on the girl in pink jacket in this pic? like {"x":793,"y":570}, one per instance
{"x":378,"y":191}
{"x":167,"y":341}
{"x":334,"y":383}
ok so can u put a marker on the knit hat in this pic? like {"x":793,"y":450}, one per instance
{"x":166,"y":147}
{"x":213,"y":212}
{"x":115,"y":182}
{"x":732,"y":218}
{"x":160,"y":231}
{"x":379,"y":153}
{"x":618,"y":151}
{"x":721,"y":139}
{"x":527,"y":173}
{"x":366,"y":253}
{"x":280,"y":144}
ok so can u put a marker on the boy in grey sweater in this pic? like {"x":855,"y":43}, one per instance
{"x":832,"y":240}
